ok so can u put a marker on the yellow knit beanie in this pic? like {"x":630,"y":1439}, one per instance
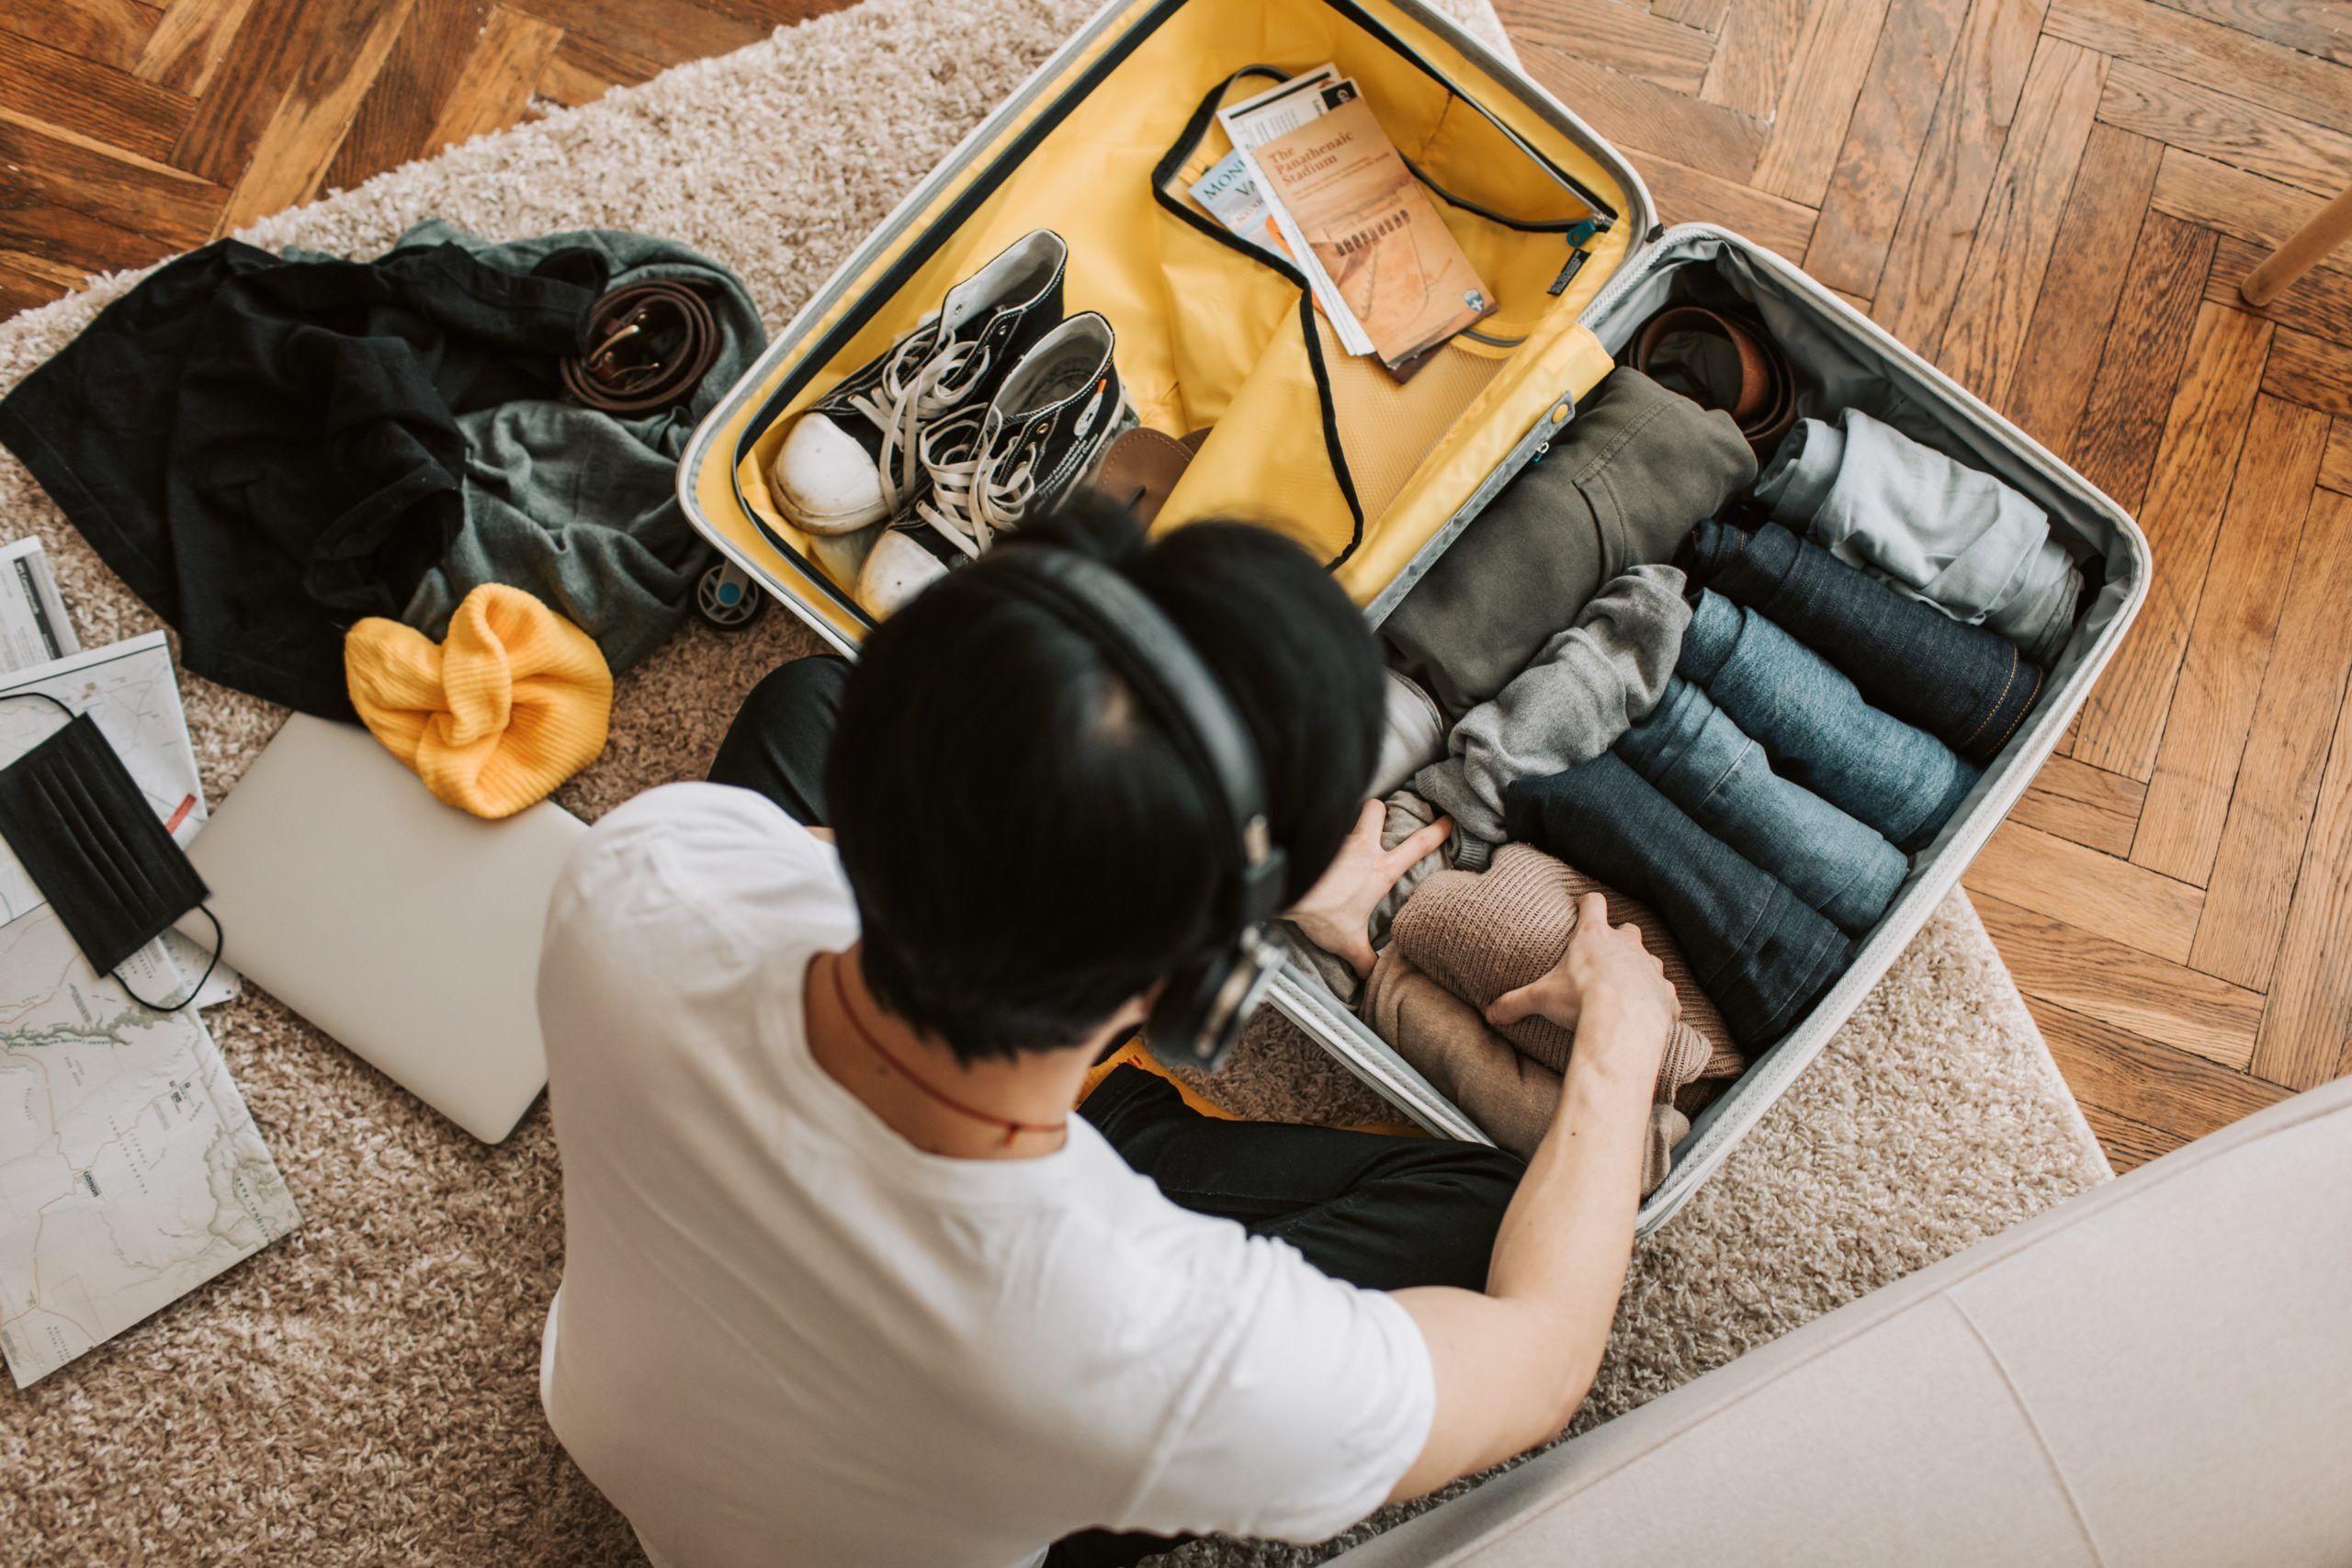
{"x":512,"y":703}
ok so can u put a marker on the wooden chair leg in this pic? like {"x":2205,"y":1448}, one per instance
{"x":2329,"y":227}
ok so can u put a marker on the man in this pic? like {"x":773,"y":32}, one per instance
{"x":846,"y":1282}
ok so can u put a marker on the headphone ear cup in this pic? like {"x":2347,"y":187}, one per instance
{"x":1204,"y":1005}
{"x":1180,"y":1016}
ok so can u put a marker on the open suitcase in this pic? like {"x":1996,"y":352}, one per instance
{"x":1376,"y":477}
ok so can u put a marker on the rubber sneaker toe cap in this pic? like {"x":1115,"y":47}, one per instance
{"x":823,"y":480}
{"x":897,"y":571}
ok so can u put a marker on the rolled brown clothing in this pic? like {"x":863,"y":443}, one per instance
{"x":1511,"y":1097}
{"x":1479,"y":935}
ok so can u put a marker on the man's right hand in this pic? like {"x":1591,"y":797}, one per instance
{"x":1606,"y":987}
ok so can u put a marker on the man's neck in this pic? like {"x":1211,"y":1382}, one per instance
{"x":1011,"y":1108}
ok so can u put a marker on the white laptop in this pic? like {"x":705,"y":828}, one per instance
{"x":404,"y":928}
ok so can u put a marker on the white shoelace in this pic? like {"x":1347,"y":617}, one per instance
{"x":913,"y":389}
{"x":969,"y":504}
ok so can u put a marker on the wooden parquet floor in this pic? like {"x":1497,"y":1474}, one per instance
{"x":2052,"y":199}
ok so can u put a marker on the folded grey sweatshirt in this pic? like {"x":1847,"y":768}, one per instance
{"x":1588,"y":685}
{"x":1620,"y":485}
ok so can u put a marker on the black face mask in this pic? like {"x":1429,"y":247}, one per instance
{"x":90,"y":843}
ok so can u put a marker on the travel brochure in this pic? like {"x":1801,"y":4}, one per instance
{"x":1313,"y":178}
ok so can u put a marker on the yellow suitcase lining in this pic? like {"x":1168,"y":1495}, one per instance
{"x":1327,"y":448}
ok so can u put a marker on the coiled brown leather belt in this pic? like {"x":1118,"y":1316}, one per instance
{"x":652,"y":342}
{"x":1721,"y":362}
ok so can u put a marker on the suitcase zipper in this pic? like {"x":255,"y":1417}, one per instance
{"x":1528,"y":449}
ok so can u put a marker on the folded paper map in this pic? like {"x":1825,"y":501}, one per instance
{"x":130,"y":1170}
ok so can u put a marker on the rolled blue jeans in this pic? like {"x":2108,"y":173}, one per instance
{"x":1818,"y":729}
{"x":1754,"y":946}
{"x":1966,"y":686}
{"x":1704,"y":763}
{"x":1952,"y":534}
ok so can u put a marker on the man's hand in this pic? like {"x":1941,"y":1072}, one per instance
{"x":1605,"y":974}
{"x":1336,"y":914}
{"x":1514,"y":1364}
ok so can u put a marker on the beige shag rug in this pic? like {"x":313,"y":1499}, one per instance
{"x":364,"y":1390}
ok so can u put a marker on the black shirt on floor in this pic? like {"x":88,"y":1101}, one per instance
{"x":267,"y":450}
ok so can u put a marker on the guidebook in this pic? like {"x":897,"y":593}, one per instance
{"x":1230,"y":195}
{"x":1241,"y":203}
{"x":1343,"y":195}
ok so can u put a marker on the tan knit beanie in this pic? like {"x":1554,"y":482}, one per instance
{"x":1481,"y":934}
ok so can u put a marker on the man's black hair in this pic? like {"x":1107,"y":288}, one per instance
{"x":1027,"y":847}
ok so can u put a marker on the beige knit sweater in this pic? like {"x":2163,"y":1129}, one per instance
{"x":1511,"y":1098}
{"x":1479,"y":935}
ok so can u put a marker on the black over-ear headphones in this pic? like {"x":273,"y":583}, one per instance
{"x":1201,"y":1011}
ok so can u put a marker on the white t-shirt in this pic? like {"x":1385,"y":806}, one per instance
{"x":787,"y":1335}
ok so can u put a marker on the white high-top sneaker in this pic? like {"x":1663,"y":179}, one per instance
{"x":854,"y":456}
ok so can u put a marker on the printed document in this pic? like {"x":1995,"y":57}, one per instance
{"x":34,"y":628}
{"x":1275,"y":112}
{"x":1285,"y":106}
{"x":1348,"y":196}
{"x":1230,"y":195}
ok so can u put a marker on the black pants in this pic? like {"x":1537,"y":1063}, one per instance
{"x":1382,"y":1212}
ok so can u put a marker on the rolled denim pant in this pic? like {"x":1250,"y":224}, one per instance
{"x":1966,"y":686}
{"x":1587,"y":684}
{"x":1702,"y":763}
{"x":1752,"y":945}
{"x":1815,"y":727}
{"x":1952,"y":535}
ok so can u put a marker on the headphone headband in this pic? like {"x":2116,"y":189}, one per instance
{"x":1172,"y":680}
{"x":1169,"y":677}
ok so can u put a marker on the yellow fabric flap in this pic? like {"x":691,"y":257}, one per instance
{"x":1266,"y":460}
{"x":1563,"y":360}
